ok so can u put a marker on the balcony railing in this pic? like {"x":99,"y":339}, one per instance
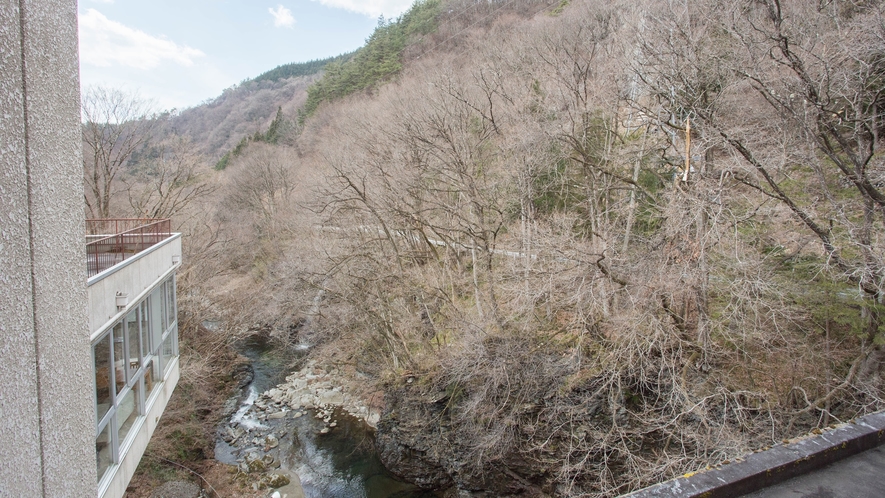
{"x":114,"y":240}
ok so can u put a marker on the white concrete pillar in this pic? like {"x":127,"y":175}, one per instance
{"x":47,"y":419}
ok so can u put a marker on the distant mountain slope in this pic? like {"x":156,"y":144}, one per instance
{"x":378,"y":60}
{"x":217,"y":126}
{"x":296,"y":69}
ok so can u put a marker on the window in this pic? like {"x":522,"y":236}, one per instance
{"x":149,"y":377}
{"x":130,"y":360}
{"x":103,"y":456}
{"x":101,"y":353}
{"x":168,"y":350}
{"x":127,"y":412}
{"x":156,"y":319}
{"x":133,"y":343}
{"x":170,"y":301}
{"x":145,"y":327}
{"x":120,"y":367}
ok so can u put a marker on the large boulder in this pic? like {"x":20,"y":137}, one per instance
{"x":177,"y":489}
{"x":277,"y":480}
{"x":331,"y":398}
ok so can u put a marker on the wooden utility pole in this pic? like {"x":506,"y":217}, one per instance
{"x":687,"y":148}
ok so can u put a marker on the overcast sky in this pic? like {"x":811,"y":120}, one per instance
{"x":183,"y":52}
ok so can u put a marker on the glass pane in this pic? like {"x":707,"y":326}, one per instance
{"x":103,"y":451}
{"x":103,"y":376}
{"x":149,"y":380}
{"x":168,"y":350}
{"x":161,"y":291}
{"x":133,"y":343}
{"x":161,"y":361}
{"x":145,"y":329}
{"x":138,"y":387}
{"x":156,"y":319}
{"x":119,"y":358}
{"x":126,"y":414}
{"x":170,"y":301}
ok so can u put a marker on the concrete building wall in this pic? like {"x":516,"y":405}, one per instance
{"x":134,"y":277}
{"x":20,"y":472}
{"x":45,"y":365}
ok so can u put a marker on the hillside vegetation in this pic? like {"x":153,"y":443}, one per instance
{"x":295,"y":69}
{"x":217,"y":126}
{"x":379,"y":60}
{"x":581,"y":246}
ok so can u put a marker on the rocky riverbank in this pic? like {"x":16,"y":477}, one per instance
{"x":314,"y":387}
{"x":314,"y":426}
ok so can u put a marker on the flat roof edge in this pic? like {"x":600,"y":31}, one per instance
{"x":123,"y":264}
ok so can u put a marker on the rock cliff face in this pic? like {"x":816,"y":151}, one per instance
{"x":417,"y":441}
{"x":411,"y":455}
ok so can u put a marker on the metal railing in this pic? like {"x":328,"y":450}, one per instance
{"x":113,"y":240}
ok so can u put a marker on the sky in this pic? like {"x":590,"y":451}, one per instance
{"x":180,"y":53}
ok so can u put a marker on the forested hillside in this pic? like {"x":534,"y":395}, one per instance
{"x":217,"y":126}
{"x":580,"y":247}
{"x":295,"y":69}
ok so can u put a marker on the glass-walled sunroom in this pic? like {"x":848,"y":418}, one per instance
{"x":130,"y":359}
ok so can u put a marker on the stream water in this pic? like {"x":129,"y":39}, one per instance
{"x":341,"y":464}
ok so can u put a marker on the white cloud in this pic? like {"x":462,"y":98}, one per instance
{"x":372,"y":8}
{"x":282,"y":17}
{"x":104,"y":43}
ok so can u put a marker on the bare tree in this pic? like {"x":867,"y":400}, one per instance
{"x":815,"y":112}
{"x":115,"y":125}
{"x":163,"y":186}
{"x":262,"y":185}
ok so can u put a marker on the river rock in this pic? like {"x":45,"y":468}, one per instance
{"x":373,"y":418}
{"x":277,"y":480}
{"x":255,"y":463}
{"x":271,"y":442}
{"x":293,"y":489}
{"x":230,"y":407}
{"x":177,"y":489}
{"x":331,"y":398}
{"x":277,"y":415}
{"x":313,"y":387}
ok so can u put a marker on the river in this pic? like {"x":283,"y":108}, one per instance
{"x":340,"y":464}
